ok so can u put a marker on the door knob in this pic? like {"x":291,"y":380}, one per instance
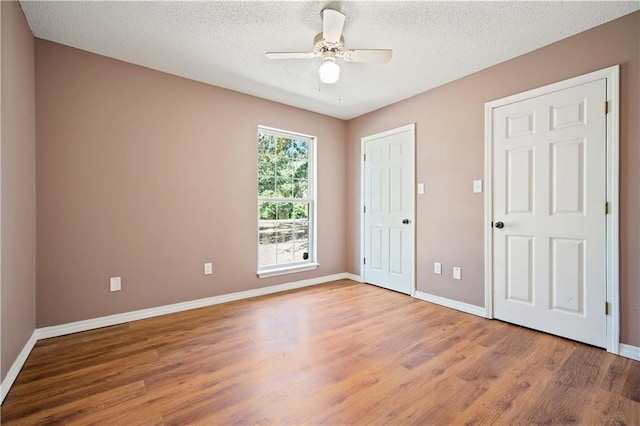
{"x":405,"y":221}
{"x":499,"y":225}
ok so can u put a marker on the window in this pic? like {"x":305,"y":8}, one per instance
{"x":286,"y":202}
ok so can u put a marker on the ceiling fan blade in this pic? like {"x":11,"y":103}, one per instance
{"x":368,"y":55}
{"x":332,"y":24}
{"x":290,"y":55}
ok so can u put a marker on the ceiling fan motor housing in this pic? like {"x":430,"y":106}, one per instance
{"x":320,"y":45}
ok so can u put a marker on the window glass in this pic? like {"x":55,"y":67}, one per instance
{"x":285,"y":199}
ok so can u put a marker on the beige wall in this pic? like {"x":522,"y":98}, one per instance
{"x":450,"y":155}
{"x":18,"y":185}
{"x":147,"y":176}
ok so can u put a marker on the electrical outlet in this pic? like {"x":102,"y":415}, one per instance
{"x":115,"y":283}
{"x":420,"y":188}
{"x":437,"y":268}
{"x":208,"y":268}
{"x":457,"y":273}
{"x":477,"y":186}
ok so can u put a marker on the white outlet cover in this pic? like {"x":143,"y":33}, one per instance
{"x":420,"y":188}
{"x":477,"y":186}
{"x":115,"y":284}
{"x":457,"y":273}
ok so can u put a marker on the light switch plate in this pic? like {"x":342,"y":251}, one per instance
{"x":437,"y":268}
{"x":208,"y":268}
{"x":420,"y":188}
{"x":477,"y":186}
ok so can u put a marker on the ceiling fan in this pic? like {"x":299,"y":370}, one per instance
{"x":329,"y":45}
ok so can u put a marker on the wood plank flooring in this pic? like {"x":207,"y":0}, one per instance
{"x":340,"y":353}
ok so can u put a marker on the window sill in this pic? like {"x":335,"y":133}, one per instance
{"x":287,"y":270}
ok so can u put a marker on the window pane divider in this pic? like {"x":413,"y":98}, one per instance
{"x":304,"y":220}
{"x":284,"y":200}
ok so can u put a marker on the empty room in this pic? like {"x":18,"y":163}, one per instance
{"x":310,"y":212}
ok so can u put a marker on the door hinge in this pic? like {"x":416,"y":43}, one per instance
{"x":365,"y":157}
{"x":607,"y":308}
{"x":606,"y":207}
{"x":606,"y":107}
{"x":364,"y":260}
{"x":364,"y":209}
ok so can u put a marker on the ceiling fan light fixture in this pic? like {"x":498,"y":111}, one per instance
{"x":329,"y":44}
{"x":329,"y":71}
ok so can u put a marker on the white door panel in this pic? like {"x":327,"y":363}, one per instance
{"x":388,"y":199}
{"x":549,"y":190}
{"x":520,"y":274}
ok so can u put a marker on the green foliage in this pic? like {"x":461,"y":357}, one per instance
{"x":283,"y":172}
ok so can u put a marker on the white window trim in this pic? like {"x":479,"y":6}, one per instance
{"x":312,"y":263}
{"x":266,"y":273}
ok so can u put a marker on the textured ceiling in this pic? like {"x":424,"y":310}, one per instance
{"x":223,"y":43}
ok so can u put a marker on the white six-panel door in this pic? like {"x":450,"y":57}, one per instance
{"x":549,"y":194}
{"x":389,"y":209}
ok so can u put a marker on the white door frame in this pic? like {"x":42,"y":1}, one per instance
{"x":612,"y":75}
{"x":412,"y":129}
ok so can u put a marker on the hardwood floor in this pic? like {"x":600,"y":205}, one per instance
{"x":331,"y":354}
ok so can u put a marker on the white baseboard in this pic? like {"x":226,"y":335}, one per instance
{"x":12,"y":374}
{"x":78,"y":326}
{"x":354,"y":277}
{"x":629,"y":351}
{"x":453,"y":304}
